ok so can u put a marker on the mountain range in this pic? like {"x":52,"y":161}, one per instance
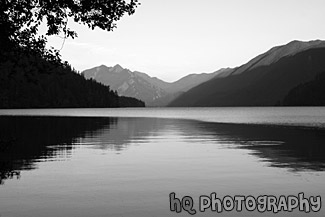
{"x":266,"y":80}
{"x":29,"y":80}
{"x":151,"y":90}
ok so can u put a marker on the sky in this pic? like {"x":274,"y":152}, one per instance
{"x":170,"y":39}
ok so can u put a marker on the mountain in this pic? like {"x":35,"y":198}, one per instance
{"x":183,"y":84}
{"x":153,"y":91}
{"x":307,"y":94}
{"x":276,"y":53}
{"x":263,"y":81}
{"x":126,"y":83}
{"x":28,"y":80}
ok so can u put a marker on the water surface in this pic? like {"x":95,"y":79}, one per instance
{"x":293,"y":116}
{"x":125,"y":162}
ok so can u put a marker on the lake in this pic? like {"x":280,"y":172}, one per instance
{"x":127,"y":162}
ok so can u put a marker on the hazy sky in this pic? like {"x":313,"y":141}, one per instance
{"x":172,"y":38}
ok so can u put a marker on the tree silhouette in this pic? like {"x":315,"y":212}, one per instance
{"x":310,"y":93}
{"x":33,"y":76}
{"x":20,"y":21}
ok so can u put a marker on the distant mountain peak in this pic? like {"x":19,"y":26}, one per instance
{"x":101,"y":67}
{"x":117,"y":68}
{"x":278,"y":52}
{"x":266,"y":80}
{"x":296,"y":46}
{"x":152,"y":90}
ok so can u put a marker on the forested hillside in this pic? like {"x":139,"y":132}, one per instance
{"x":307,"y":94}
{"x":32,"y":74}
{"x":263,"y":81}
{"x":29,"y":81}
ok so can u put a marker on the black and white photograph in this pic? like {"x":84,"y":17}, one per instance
{"x":162,"y":108}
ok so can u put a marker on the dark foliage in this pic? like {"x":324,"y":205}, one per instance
{"x":20,"y":21}
{"x":28,"y":81}
{"x":25,"y":140}
{"x":125,"y":101}
{"x":32,"y":76}
{"x":307,"y":94}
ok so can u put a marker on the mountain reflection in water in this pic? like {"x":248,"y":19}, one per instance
{"x":28,"y":140}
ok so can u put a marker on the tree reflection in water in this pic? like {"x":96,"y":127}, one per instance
{"x":26,"y":140}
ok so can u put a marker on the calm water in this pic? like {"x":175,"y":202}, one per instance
{"x":126,"y":162}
